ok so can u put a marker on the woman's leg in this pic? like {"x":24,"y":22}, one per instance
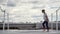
{"x":47,"y":26}
{"x":43,"y":25}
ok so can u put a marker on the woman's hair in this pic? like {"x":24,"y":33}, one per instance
{"x":43,"y":10}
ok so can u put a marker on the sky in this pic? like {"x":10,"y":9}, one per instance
{"x":28,"y":10}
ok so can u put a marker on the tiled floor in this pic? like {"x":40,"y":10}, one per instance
{"x":28,"y":32}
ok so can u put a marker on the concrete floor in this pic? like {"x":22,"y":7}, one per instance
{"x":28,"y":32}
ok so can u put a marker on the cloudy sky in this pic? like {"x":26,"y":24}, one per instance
{"x":28,"y":10}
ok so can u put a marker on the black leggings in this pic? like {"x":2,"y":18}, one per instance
{"x":45,"y":23}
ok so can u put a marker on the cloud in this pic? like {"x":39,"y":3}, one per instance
{"x":11,"y":3}
{"x":24,"y":11}
{"x":21,"y":10}
{"x":3,"y":1}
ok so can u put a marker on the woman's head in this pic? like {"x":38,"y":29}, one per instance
{"x":43,"y":11}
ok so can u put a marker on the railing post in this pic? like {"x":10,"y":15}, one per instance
{"x":4,"y":21}
{"x":51,"y":21}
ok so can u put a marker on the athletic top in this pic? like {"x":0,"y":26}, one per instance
{"x":45,"y":17}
